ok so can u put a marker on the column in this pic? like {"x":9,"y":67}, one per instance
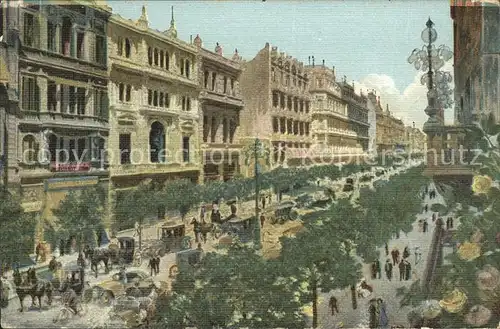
{"x":42,"y":87}
{"x":58,"y":37}
{"x":89,"y":101}
{"x":65,"y":99}
{"x":42,"y":31}
{"x":279,"y":125}
{"x":58,"y":98}
{"x":73,"y":41}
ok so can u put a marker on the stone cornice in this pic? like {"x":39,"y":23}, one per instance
{"x":219,"y":60}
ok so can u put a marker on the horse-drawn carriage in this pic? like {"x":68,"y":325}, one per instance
{"x":74,"y":277}
{"x":172,"y":235}
{"x":123,"y":251}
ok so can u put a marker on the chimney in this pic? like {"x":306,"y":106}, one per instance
{"x":333,"y":70}
{"x":309,"y":60}
{"x":413,"y":124}
{"x":323,"y":63}
{"x":313,"y":60}
{"x":190,"y":38}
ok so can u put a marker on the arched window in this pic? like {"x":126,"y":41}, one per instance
{"x":156,"y":57}
{"x":162,"y":58}
{"x":66,"y":36}
{"x":52,"y":140}
{"x":206,"y":79}
{"x":119,"y":47}
{"x":128,"y":47}
{"x":157,"y":143}
{"x":30,"y":149}
{"x":150,"y":56}
{"x":121,"y":91}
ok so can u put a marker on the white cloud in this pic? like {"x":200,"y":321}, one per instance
{"x":408,"y":105}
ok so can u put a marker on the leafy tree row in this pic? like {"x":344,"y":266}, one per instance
{"x":238,"y":288}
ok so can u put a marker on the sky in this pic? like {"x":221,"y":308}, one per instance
{"x":368,"y":41}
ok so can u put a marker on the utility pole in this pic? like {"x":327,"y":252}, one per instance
{"x":258,"y":244}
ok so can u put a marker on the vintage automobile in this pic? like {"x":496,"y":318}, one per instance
{"x":185,"y":260}
{"x":107,"y":291}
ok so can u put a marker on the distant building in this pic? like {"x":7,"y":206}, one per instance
{"x":275,"y":89}
{"x":220,"y":103}
{"x":476,"y":34}
{"x":415,"y":140}
{"x":332,"y":129}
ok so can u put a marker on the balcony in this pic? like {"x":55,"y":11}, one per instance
{"x":224,"y":99}
{"x":152,"y":168}
{"x":58,"y":119}
{"x":37,"y":170}
{"x":335,"y":131}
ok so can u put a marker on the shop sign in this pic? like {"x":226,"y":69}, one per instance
{"x":70,"y":183}
{"x":68,"y":167}
{"x":32,"y":206}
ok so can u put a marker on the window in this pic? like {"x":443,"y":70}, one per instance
{"x":81,"y":149}
{"x":289,"y":103}
{"x":72,"y":99}
{"x":30,"y":94}
{"x":188,"y":68}
{"x":150,"y":97}
{"x":206,"y":79}
{"x":52,"y":147}
{"x":225,"y":85}
{"x":214,"y":80}
{"x":157,"y":143}
{"x":51,"y":96}
{"x":150,"y":56}
{"x":161,"y":99}
{"x":275,"y":99}
{"x":100,"y":49}
{"x":119,"y":47}
{"x":29,"y":30}
{"x":182,"y":66}
{"x":121,"y":91}
{"x":51,"y":36}
{"x":155,"y":98}
{"x":188,"y":104}
{"x":183,"y":103}
{"x":213,"y":128}
{"x":128,"y":48}
{"x":162,"y":58}
{"x":167,"y":100}
{"x":125,"y":146}
{"x":1,"y":20}
{"x":81,"y":101}
{"x":80,"y":36}
{"x":97,"y":102}
{"x":156,"y":56}
{"x":66,"y":39}
{"x":232,"y":87}
{"x":206,"y":128}
{"x":282,"y":100}
{"x":72,"y":150}
{"x":275,"y":124}
{"x":167,"y":61}
{"x":185,"y":149}
{"x":273,"y":74}
{"x":128,"y":92}
{"x":307,"y":107}
{"x":30,"y":149}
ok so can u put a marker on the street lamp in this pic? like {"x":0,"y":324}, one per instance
{"x":431,"y":59}
{"x":256,"y":152}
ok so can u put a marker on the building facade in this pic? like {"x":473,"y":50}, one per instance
{"x":62,"y":129}
{"x":415,"y":140}
{"x":332,"y":129}
{"x":220,"y":103}
{"x":357,"y":112}
{"x":476,"y":34}
{"x":154,"y":116}
{"x":390,"y":131}
{"x":275,"y":89}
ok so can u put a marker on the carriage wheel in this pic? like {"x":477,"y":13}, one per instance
{"x":173,"y":271}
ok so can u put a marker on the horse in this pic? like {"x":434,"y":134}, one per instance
{"x":29,"y":284}
{"x":100,"y":255}
{"x":202,"y":229}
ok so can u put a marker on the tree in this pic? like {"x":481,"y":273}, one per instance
{"x":237,"y":288}
{"x":319,"y":258}
{"x":180,"y":195}
{"x":17,"y":230}
{"x":80,"y":215}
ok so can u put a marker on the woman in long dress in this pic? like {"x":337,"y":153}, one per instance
{"x":383,"y":318}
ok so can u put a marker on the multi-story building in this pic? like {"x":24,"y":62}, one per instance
{"x":221,"y":103}
{"x":275,"y":89}
{"x":63,"y":124}
{"x":154,"y":115}
{"x":332,"y":129}
{"x":415,"y":140}
{"x":357,"y":112}
{"x":476,"y":34}
{"x":390,"y":131}
{"x":9,"y":100}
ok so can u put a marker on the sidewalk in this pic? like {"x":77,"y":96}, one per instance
{"x":383,"y":288}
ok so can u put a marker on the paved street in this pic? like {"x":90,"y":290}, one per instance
{"x":383,"y":288}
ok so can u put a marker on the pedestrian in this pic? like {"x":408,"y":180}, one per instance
{"x":263,"y":200}
{"x":407,"y":270}
{"x":425,"y":226}
{"x":426,"y":208}
{"x":417,"y":255}
{"x":197,"y":229}
{"x":262,"y":220}
{"x":333,"y":305}
{"x":402,"y":271}
{"x":203,"y":210}
{"x":374,"y":270}
{"x":80,"y":261}
{"x":372,"y":310}
{"x":123,"y":276}
{"x":383,"y":318}
{"x":38,"y":251}
{"x":406,"y":253}
{"x":152,"y":265}
{"x":157,"y":264}
{"x":386,"y":249}
{"x":451,"y":222}
{"x":379,"y":269}
{"x":388,"y":269}
{"x":433,"y":217}
{"x":395,"y":256}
